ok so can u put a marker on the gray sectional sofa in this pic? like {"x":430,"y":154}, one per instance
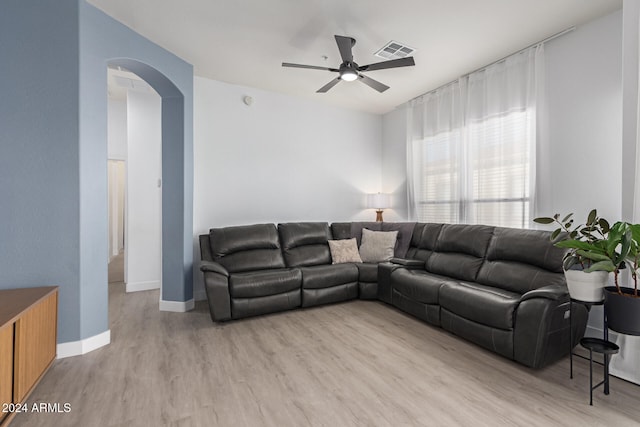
{"x":500,"y":288}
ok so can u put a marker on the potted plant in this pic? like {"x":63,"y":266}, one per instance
{"x":592,"y":253}
{"x":622,"y":304}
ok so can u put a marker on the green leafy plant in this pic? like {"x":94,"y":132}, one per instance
{"x":597,"y":246}
{"x":633,"y":256}
{"x":584,"y":241}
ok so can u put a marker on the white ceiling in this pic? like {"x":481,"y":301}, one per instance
{"x":245,"y":41}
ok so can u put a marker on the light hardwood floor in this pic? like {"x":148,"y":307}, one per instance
{"x":359,"y":363}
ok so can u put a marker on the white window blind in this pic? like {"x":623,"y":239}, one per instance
{"x":479,"y":174}
{"x":499,"y":152}
{"x":438,"y":182}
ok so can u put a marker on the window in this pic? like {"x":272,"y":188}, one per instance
{"x":499,"y":152}
{"x":478,"y":174}
{"x":471,"y":153}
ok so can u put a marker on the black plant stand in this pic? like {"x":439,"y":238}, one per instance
{"x":588,"y":304}
{"x":599,"y":345}
{"x":603,"y":347}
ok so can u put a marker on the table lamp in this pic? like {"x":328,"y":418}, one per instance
{"x":379,"y":202}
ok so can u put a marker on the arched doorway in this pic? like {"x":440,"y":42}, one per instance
{"x":176,"y":276}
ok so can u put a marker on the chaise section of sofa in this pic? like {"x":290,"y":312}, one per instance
{"x":245,"y":273}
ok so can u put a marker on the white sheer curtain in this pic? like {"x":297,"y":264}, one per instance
{"x":435,"y":145}
{"x":472,"y":146}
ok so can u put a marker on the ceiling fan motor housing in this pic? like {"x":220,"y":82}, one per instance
{"x":349,"y":71}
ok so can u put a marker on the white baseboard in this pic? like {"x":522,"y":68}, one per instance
{"x":77,"y":348}
{"x":142,"y":286}
{"x":177,"y":306}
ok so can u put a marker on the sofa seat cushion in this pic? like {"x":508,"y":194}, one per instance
{"x":326,"y":276}
{"x":367,"y":272}
{"x":483,"y":304}
{"x":264,"y":282}
{"x":418,"y":285}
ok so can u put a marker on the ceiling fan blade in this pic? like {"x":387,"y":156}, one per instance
{"x":344,"y":45}
{"x":394,"y":63}
{"x":373,"y":83}
{"x":311,"y":67}
{"x":329,"y":85}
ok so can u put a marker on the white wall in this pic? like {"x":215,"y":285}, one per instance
{"x":281,"y":159}
{"x":116,"y":153}
{"x":584,"y":99}
{"x":626,"y":364}
{"x":117,"y":129}
{"x":143,"y":222}
{"x":394,"y":162}
{"x":116,"y":182}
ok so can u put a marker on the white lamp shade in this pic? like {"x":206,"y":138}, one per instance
{"x":379,"y":201}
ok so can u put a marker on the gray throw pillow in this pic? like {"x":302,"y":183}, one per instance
{"x":377,"y":246}
{"x":345,"y":250}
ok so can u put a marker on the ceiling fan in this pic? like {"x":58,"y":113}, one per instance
{"x":350,"y":71}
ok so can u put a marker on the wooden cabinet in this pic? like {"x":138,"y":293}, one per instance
{"x":28,"y":329}
{"x":6,"y":366}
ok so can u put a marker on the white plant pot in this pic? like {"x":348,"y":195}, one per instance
{"x":586,"y":286}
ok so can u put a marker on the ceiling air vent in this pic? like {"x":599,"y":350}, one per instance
{"x":394,"y":50}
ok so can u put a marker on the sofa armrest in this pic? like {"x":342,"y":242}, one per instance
{"x":552,"y":292}
{"x":213,"y":267}
{"x":216,"y":285}
{"x":408,"y":263}
{"x":542,"y":331}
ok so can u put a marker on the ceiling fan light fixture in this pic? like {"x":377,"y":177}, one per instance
{"x":349,"y":75}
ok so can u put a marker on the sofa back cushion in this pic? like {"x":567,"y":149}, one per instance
{"x":246,"y":247}
{"x":460,"y":250}
{"x":305,"y":243}
{"x":521,"y":260}
{"x":341,"y":230}
{"x":423,"y":241}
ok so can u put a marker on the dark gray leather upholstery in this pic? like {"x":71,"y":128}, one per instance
{"x":460,"y":250}
{"x":264,"y":283}
{"x":341,"y":230}
{"x":326,"y":276}
{"x":486,"y":305}
{"x":500,"y":288}
{"x":246,"y":307}
{"x":496,"y":340}
{"x":244,"y":272}
{"x":423,"y":241}
{"x":313,"y":297}
{"x":521,"y":260}
{"x":419,"y":285}
{"x":305,"y":243}
{"x":305,"y":246}
{"x":246,"y":248}
{"x":367,"y":280}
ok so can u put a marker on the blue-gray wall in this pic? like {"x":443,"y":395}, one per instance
{"x":53,"y":152}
